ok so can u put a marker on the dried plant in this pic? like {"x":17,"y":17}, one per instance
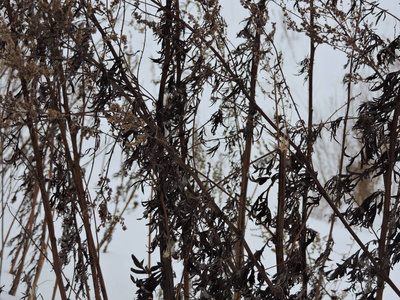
{"x":72,"y":81}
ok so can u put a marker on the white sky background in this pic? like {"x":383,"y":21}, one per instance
{"x":329,"y":92}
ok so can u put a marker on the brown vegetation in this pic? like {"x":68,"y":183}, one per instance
{"x":72,"y":80}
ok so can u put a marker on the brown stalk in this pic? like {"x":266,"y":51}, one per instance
{"x":44,"y":240}
{"x":53,"y":297}
{"x":280,"y":217}
{"x":24,"y":247}
{"x":341,"y":162}
{"x":27,"y":233}
{"x":74,"y":166}
{"x":241,"y":223}
{"x":182,"y":138}
{"x":149,"y":238}
{"x":165,"y":245}
{"x":40,"y":262}
{"x":15,"y":259}
{"x":3,"y":202}
{"x":311,"y":82}
{"x":387,"y":201}
{"x":39,"y":168}
{"x":20,"y":269}
{"x":303,"y":236}
{"x":16,"y":256}
{"x":81,"y":256}
{"x":46,"y":201}
{"x":8,"y":235}
{"x":280,"y":260}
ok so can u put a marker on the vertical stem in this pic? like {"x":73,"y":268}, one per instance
{"x":73,"y":162}
{"x":281,"y":212}
{"x":27,"y":234}
{"x":310,"y":82}
{"x":165,"y":245}
{"x":53,"y":297}
{"x":149,"y":237}
{"x":383,"y":259}
{"x":59,"y":100}
{"x":84,"y":212}
{"x":45,"y":196}
{"x":280,"y":217}
{"x":180,"y":59}
{"x":81,"y":250}
{"x":47,"y":207}
{"x":2,"y":188}
{"x":241,"y":223}
{"x":341,"y":162}
{"x":303,"y":245}
{"x":186,"y":284}
{"x":16,"y":255}
{"x":39,"y":265}
{"x":44,"y":239}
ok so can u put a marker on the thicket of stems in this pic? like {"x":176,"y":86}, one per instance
{"x":74,"y":79}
